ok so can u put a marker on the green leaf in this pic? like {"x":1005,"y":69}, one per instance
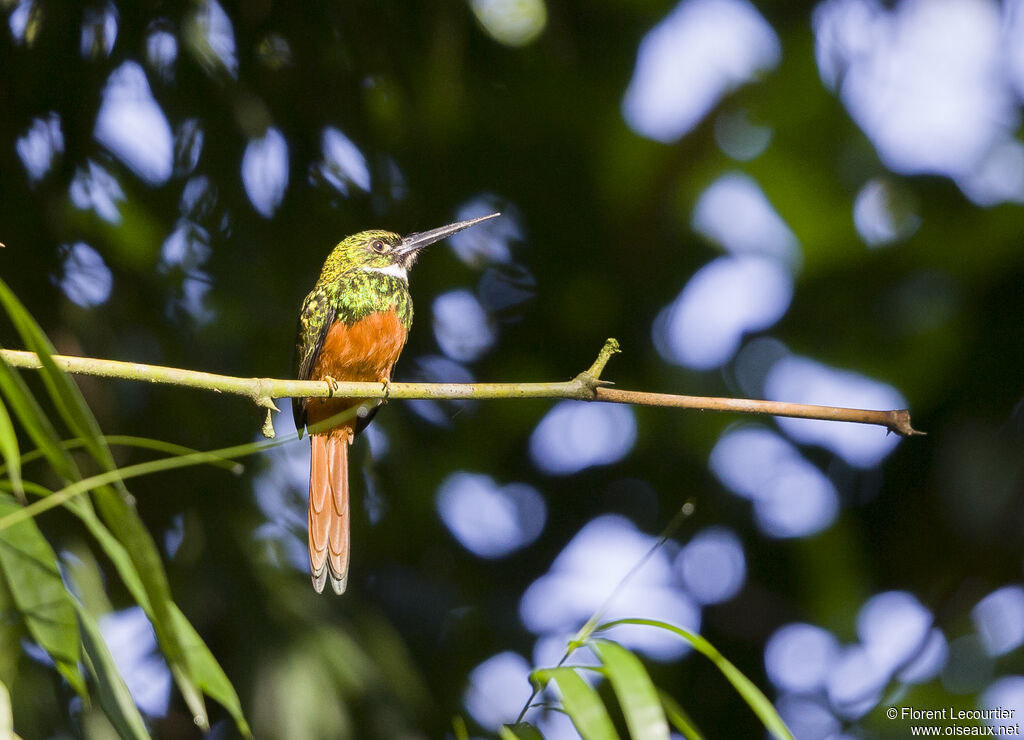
{"x":520,"y":731}
{"x":35,"y":422}
{"x":679,"y":718}
{"x":198,"y":667}
{"x":635,"y":691}
{"x":9,"y":451}
{"x":113,"y":694}
{"x":6,"y":715}
{"x":145,"y":443}
{"x":206,"y":671}
{"x":66,"y":397}
{"x":751,"y":694}
{"x":581,"y":703}
{"x":112,"y":502}
{"x":29,"y":566}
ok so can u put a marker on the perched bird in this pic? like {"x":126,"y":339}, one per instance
{"x":352,"y":327}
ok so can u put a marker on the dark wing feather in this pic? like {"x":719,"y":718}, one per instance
{"x":364,"y":421}
{"x":315,"y":320}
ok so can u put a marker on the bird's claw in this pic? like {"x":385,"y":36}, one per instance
{"x":387,"y":391}
{"x":332,"y":384}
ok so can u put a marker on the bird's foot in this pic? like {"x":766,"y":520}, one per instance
{"x":332,"y":384}
{"x":387,"y":391}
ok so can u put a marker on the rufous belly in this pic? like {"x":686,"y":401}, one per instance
{"x":365,"y":350}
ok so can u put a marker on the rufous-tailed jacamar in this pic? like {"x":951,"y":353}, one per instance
{"x":352,"y":327}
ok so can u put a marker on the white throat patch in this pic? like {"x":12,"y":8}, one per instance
{"x":395,"y":270}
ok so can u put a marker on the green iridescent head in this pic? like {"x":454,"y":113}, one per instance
{"x":386,"y":252}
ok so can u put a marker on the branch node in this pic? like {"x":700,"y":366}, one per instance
{"x":589,"y":380}
{"x":611,"y":347}
{"x":264,"y":400}
{"x":899,"y":423}
{"x":268,"y":425}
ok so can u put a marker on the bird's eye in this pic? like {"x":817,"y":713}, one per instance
{"x":377,"y":246}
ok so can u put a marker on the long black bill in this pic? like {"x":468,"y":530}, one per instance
{"x":417,"y":241}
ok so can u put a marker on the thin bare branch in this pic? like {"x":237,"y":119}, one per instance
{"x":587,"y":386}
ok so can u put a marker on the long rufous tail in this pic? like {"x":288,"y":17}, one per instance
{"x":328,"y":509}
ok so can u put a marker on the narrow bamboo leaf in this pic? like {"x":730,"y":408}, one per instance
{"x":35,"y":422}
{"x":29,"y":566}
{"x":172,"y":629}
{"x":198,"y":671}
{"x":65,"y":394}
{"x":754,"y":697}
{"x":581,"y":703}
{"x":9,"y":451}
{"x":113,"y":694}
{"x":206,"y":671}
{"x":123,"y":521}
{"x":118,"y":475}
{"x":114,"y":508}
{"x":459,"y":726}
{"x":145,"y":443}
{"x":679,"y":717}
{"x":635,"y":691}
{"x":520,"y":731}
{"x":6,"y":715}
{"x":198,"y":668}
{"x":12,"y":631}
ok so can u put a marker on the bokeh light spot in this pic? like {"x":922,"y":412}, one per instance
{"x":792,"y":498}
{"x":462,"y":328}
{"x":798,"y":657}
{"x":99,"y":31}
{"x":734,"y":212}
{"x":893,"y":627}
{"x":162,"y":51}
{"x":802,"y":380}
{"x":498,"y":689}
{"x":922,"y":79}
{"x":132,"y":643}
{"x":999,"y":619}
{"x":1004,"y":693}
{"x":97,"y":190}
{"x":590,"y":568}
{"x":739,"y":137}
{"x":40,"y":146}
{"x":712,"y":565}
{"x":343,"y":165}
{"x":211,"y":36}
{"x":928,"y":663}
{"x":722,"y":301}
{"x":808,"y":718}
{"x":265,"y":171}
{"x":492,"y":240}
{"x":575,"y":435}
{"x":87,"y":281}
{"x":884,"y":213}
{"x":489,"y":520}
{"x":700,"y":51}
{"x":856,"y":683}
{"x":438,"y":369}
{"x":133,"y":127}
{"x":512,"y":22}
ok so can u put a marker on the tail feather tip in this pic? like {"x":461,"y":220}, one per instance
{"x":319,"y":579}
{"x":339,"y":583}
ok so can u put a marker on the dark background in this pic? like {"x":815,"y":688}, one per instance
{"x":606,"y":241}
